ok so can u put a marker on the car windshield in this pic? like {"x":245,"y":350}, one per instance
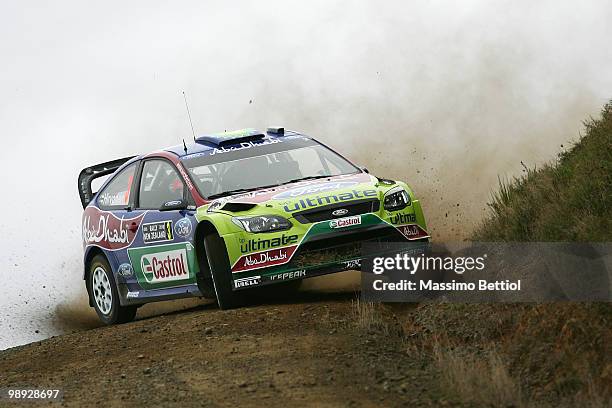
{"x":263,"y":166}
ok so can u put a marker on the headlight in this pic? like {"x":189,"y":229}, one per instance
{"x":396,"y":200}
{"x":262,"y":223}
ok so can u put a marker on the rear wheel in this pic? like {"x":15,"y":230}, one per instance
{"x":221,"y":273}
{"x":104,"y":295}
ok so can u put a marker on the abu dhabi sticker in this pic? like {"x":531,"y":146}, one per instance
{"x":264,"y":259}
{"x":412,"y":232}
{"x":104,"y":229}
{"x":313,"y":189}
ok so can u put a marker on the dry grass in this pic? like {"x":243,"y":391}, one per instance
{"x":591,"y":397}
{"x":517,"y":354}
{"x":478,"y":379}
{"x":373,"y":318}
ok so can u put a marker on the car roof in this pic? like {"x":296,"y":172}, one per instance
{"x":214,"y":141}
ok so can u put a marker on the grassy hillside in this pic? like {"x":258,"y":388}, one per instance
{"x":568,"y":200}
{"x":525,"y":354}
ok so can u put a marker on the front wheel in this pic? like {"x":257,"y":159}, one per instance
{"x":221,"y":273}
{"x":104,"y":295}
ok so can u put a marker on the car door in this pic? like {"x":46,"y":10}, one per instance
{"x":165,"y":256}
{"x":109,"y":223}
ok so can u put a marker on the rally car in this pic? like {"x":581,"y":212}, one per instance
{"x":228,"y":213}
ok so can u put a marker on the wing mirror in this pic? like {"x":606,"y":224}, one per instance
{"x":364,"y":169}
{"x":174,"y":205}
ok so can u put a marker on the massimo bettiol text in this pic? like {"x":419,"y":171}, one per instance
{"x":487,"y":272}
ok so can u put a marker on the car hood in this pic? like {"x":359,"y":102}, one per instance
{"x":302,"y":195}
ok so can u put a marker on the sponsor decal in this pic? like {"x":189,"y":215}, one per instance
{"x":412,"y":231}
{"x":171,"y":203}
{"x":244,"y":282}
{"x":305,"y":203}
{"x":340,"y":212}
{"x":165,"y":266}
{"x":216,"y":204}
{"x":181,"y":170}
{"x":313,"y":189}
{"x":289,"y":275}
{"x":183,"y":227}
{"x":125,"y":270}
{"x":259,"y":196}
{"x":108,"y":199}
{"x":131,"y":295}
{"x":253,"y":245}
{"x":345,"y":222}
{"x":402,"y":218}
{"x":104,"y":229}
{"x":354,"y":264}
{"x":157,"y":232}
{"x":244,"y":145}
{"x":264,"y":259}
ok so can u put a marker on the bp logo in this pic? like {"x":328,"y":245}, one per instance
{"x":314,"y":188}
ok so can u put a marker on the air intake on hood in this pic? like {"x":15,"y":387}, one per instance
{"x":237,"y":207}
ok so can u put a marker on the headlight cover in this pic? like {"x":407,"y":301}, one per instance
{"x":262,"y":223}
{"x":396,"y":199}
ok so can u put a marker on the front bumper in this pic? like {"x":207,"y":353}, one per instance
{"x":327,"y":252}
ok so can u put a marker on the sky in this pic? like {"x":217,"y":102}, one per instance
{"x":447,"y":97}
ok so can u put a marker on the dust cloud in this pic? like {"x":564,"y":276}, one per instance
{"x":444,"y":96}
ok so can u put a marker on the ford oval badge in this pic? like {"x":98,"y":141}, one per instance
{"x":340,"y":212}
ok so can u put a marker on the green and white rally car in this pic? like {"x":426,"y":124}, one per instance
{"x":231,"y":212}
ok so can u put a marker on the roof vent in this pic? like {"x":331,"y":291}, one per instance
{"x":234,"y":137}
{"x":276,"y":130}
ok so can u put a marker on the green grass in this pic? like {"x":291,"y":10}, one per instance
{"x":567,"y":200}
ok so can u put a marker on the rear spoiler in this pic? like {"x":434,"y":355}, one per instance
{"x":91,"y":173}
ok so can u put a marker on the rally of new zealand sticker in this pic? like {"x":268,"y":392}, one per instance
{"x":157,"y":232}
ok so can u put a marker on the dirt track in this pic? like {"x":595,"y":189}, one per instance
{"x":303,"y":352}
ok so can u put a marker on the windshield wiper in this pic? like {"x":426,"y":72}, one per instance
{"x":306,"y":178}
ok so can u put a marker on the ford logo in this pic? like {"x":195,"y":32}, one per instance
{"x":340,"y":212}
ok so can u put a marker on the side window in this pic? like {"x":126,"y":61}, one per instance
{"x":116,"y":194}
{"x":159,"y":184}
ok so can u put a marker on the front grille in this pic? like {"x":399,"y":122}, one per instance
{"x":326,"y":212}
{"x":341,"y":247}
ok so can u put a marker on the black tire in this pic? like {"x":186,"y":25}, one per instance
{"x":218,"y":261}
{"x":110,"y":311}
